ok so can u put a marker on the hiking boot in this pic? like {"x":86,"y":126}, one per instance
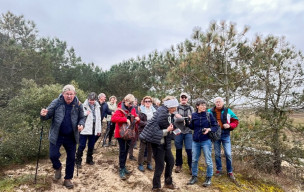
{"x":231,"y":176}
{"x":126,"y":171}
{"x":149,"y":167}
{"x":156,"y":190}
{"x":178,"y":169}
{"x":207,"y":182}
{"x":170,"y":186}
{"x":132,"y":158}
{"x":218,"y":173}
{"x":110,"y":143}
{"x":68,"y":184}
{"x":90,"y":162}
{"x":106,"y":145}
{"x":192,"y":180}
{"x":58,"y":173}
{"x":141,"y":168}
{"x":122,"y":174}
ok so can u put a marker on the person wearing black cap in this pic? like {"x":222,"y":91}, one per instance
{"x":185,"y":138}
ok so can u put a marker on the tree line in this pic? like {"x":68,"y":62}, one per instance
{"x":264,"y":74}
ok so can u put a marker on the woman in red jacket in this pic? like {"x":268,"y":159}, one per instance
{"x":119,"y":118}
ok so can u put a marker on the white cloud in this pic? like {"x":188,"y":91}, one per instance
{"x":109,"y":31}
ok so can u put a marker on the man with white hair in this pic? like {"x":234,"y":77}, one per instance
{"x":68,"y":120}
{"x":227,"y":121}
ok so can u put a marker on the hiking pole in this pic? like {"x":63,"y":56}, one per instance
{"x":38,"y":153}
{"x":105,"y":136}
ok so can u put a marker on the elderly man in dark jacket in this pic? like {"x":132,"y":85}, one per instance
{"x":157,"y":132}
{"x":104,"y":111}
{"x":67,"y":120}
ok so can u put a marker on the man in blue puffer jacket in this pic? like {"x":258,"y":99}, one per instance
{"x":67,"y":121}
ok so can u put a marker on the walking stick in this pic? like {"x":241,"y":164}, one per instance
{"x":38,"y":153}
{"x":106,"y":135}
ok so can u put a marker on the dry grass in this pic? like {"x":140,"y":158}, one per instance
{"x":298,"y":118}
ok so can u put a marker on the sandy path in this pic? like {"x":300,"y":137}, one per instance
{"x":103,"y":176}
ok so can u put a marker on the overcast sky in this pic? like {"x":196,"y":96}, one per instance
{"x":107,"y":32}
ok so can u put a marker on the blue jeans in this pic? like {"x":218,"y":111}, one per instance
{"x":196,"y":152}
{"x":69,"y":145}
{"x":183,"y":138}
{"x":225,"y":140}
{"x":179,"y":140}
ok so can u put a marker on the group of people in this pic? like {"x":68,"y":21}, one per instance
{"x":75,"y":123}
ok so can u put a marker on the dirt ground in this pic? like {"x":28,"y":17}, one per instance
{"x":103,"y":175}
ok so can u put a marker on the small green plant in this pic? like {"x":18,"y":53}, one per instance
{"x":8,"y":184}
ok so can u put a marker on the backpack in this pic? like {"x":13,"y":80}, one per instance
{"x":214,"y":136}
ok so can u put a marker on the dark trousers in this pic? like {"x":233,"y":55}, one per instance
{"x":162,"y":155}
{"x":69,"y":145}
{"x":111,"y":126}
{"x":82,"y":144}
{"x":123,"y":151}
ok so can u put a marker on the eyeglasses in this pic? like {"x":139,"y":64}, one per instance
{"x":183,"y":97}
{"x":148,"y":101}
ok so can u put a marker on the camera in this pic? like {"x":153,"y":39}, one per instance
{"x":187,"y":121}
{"x":204,"y":130}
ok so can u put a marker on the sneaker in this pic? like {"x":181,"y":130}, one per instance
{"x":68,"y":184}
{"x":122,"y":174}
{"x":207,"y":182}
{"x":231,"y":176}
{"x":178,"y":169}
{"x":149,"y":167}
{"x":127,"y":171}
{"x":58,"y":173}
{"x":141,"y":168}
{"x":218,"y":173}
{"x":192,"y":180}
{"x":132,"y":158}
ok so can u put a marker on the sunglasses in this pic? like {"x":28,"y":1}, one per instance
{"x":148,"y":101}
{"x":183,"y":97}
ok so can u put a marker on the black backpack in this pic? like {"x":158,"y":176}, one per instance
{"x":214,"y":136}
